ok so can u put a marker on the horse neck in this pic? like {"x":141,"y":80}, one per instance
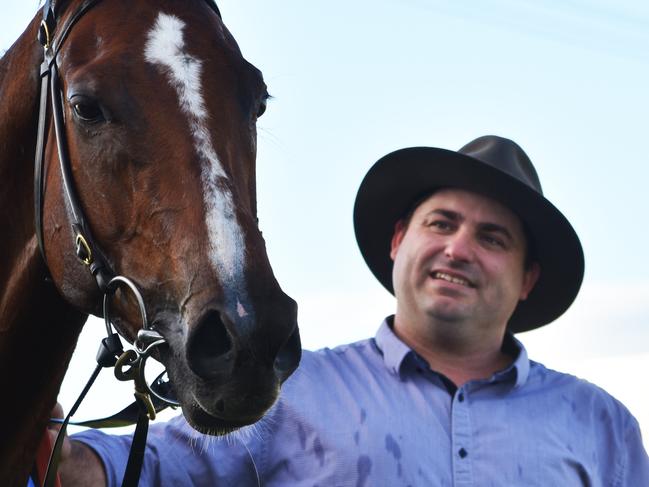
{"x":19,"y":92}
{"x":38,"y":329}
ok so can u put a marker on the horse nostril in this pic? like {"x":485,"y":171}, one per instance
{"x":289,"y":356}
{"x":209,"y":352}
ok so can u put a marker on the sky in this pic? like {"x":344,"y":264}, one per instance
{"x":352,"y":81}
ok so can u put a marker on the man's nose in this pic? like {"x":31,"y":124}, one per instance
{"x":460,"y":246}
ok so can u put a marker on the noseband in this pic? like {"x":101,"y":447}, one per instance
{"x":129,"y":365}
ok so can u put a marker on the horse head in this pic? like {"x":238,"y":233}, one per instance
{"x":160,"y":112}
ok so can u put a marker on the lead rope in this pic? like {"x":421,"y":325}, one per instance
{"x":129,"y":366}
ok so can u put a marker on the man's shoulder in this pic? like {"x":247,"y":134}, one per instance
{"x":574,"y":389}
{"x":360,"y":346}
{"x":347,"y":355}
{"x":336,"y":368}
{"x":546,"y":377}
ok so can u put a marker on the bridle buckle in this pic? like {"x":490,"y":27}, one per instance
{"x":44,"y":35}
{"x":84,"y":253}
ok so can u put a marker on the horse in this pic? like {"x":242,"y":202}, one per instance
{"x":158,"y":116}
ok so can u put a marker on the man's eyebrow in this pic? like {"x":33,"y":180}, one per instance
{"x":450,"y":214}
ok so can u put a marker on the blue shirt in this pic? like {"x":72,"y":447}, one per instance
{"x":373,"y":414}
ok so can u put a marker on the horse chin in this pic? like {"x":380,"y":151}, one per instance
{"x":215,"y":424}
{"x":220,"y":407}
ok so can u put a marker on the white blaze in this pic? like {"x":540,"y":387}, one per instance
{"x":165,"y":48}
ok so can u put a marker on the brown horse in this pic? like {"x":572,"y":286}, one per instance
{"x":160,"y":110}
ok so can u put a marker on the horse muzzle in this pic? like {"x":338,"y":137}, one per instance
{"x":233,"y":361}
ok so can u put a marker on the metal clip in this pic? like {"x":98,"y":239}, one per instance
{"x":145,"y":400}
{"x":111,"y":287}
{"x":130,"y":366}
{"x":83,"y":249}
{"x":44,"y":35}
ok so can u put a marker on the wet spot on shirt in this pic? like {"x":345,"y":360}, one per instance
{"x":393,"y":447}
{"x":279,"y":467}
{"x":356,"y":437}
{"x":319,"y":451}
{"x":567,"y":400}
{"x":363,"y":415}
{"x":604,"y":417}
{"x":520,"y":471}
{"x":583,"y":475}
{"x":301,"y":434}
{"x":363,"y":468}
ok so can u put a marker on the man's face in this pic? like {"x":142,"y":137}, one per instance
{"x":461,"y":259}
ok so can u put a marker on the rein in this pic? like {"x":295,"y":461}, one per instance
{"x":129,"y":365}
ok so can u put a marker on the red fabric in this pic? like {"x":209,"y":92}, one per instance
{"x":43,"y":457}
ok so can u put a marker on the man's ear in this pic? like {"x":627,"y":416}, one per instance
{"x":399,"y":231}
{"x":530,"y":278}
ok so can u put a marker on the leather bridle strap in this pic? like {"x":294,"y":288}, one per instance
{"x":45,"y":32}
{"x":40,"y":156}
{"x":86,"y":250}
{"x":136,"y":413}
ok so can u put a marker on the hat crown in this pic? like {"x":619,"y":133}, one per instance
{"x":506,"y":156}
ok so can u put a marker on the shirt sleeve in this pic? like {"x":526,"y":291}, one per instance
{"x":636,"y":464}
{"x":177,"y":455}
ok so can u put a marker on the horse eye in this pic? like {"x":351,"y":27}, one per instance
{"x":262,"y":108}
{"x":87,"y":110}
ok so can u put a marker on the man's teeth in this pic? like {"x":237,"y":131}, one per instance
{"x":450,"y":278}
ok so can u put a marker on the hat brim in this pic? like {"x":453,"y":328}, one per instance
{"x":402,"y":177}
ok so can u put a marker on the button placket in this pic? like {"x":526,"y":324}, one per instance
{"x":461,"y":440}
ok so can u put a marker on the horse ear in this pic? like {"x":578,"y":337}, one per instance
{"x":215,"y":7}
{"x":58,"y":7}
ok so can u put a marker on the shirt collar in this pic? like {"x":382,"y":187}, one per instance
{"x":521,"y":364}
{"x":395,"y":353}
{"x":393,"y":349}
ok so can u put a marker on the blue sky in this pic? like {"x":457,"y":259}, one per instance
{"x":352,"y":81}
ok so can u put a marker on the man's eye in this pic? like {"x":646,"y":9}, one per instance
{"x":440,"y":225}
{"x":493,"y":241}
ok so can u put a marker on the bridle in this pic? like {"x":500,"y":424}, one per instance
{"x":129,"y":365}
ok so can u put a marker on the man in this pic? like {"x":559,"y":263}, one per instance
{"x":444,"y":395}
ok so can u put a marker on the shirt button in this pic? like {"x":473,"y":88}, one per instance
{"x":462,"y":452}
{"x":460,"y":397}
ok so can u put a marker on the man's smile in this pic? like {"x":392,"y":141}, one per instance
{"x":452,"y":278}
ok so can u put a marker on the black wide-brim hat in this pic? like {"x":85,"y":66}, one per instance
{"x":491,"y":166}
